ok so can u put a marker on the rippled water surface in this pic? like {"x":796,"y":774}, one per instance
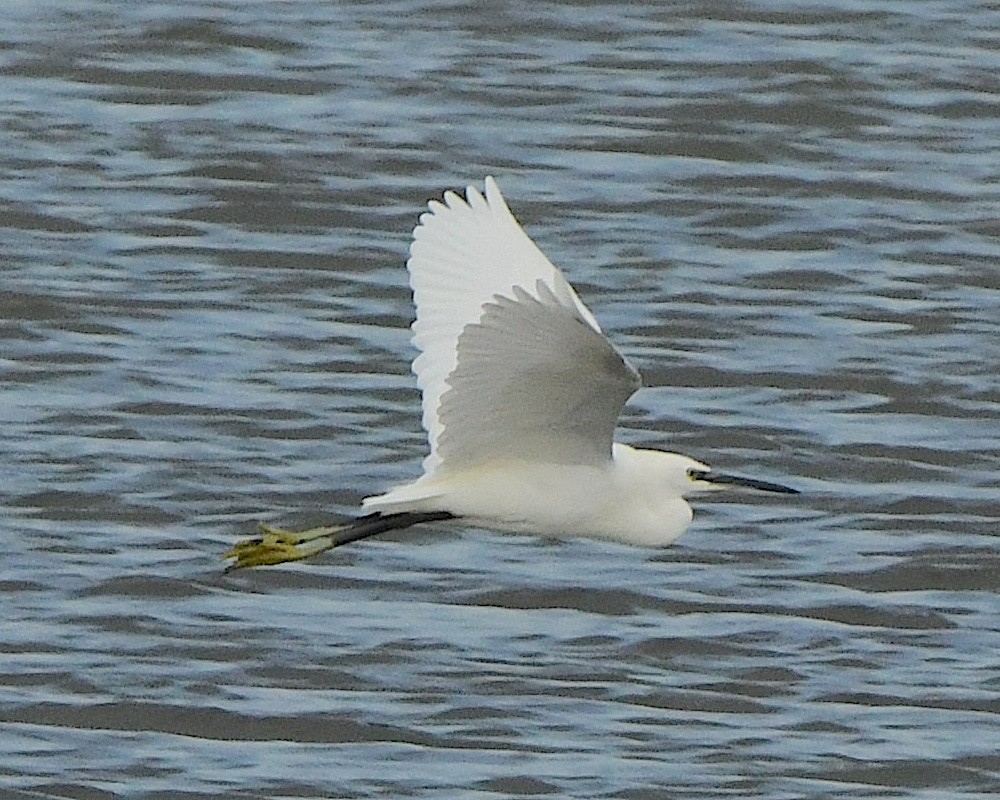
{"x":785,"y":214}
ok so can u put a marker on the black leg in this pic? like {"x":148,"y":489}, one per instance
{"x":277,"y":546}
{"x":376,"y":523}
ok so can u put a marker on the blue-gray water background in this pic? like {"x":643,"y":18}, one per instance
{"x":786,"y":214}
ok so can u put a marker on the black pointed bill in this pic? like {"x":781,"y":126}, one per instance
{"x":736,"y":480}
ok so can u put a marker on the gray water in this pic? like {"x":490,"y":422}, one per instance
{"x":785,"y":214}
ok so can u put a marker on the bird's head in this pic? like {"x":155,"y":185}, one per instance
{"x":681,"y":475}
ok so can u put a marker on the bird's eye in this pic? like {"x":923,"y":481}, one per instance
{"x":696,"y":474}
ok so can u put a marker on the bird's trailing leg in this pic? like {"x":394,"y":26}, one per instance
{"x":276,"y":546}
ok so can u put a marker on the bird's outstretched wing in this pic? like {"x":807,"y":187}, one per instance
{"x":512,"y":364}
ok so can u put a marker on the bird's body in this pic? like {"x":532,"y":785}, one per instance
{"x":521,"y":395}
{"x":634,"y":497}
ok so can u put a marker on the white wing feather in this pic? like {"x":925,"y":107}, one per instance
{"x":534,"y":382}
{"x":467,"y":258}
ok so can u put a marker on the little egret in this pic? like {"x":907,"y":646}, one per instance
{"x":521,"y":395}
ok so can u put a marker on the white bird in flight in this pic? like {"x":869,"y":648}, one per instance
{"x":521,"y":396}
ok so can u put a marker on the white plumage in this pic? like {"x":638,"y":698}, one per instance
{"x":522,"y":392}
{"x":466,"y":253}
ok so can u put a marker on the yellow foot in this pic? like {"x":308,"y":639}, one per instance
{"x":276,"y":546}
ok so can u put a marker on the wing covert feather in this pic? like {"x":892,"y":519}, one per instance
{"x":533,"y":381}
